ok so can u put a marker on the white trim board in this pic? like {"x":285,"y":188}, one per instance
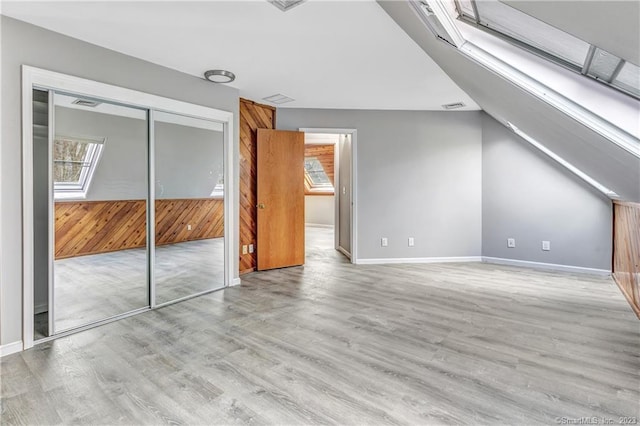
{"x":235,"y":282}
{"x":11,"y":348}
{"x":399,"y":260}
{"x":546,"y":266}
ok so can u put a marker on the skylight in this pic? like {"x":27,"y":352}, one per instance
{"x":315,"y":175}
{"x":433,"y":23}
{"x":551,"y":43}
{"x":531,"y":31}
{"x":74,"y":163}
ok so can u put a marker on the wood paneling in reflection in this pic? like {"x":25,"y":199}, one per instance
{"x":253,"y":116}
{"x":91,"y":227}
{"x":626,"y":251}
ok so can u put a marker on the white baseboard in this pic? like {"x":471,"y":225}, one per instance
{"x":343,"y":251}
{"x":319,"y":225}
{"x":11,"y":348}
{"x":419,"y":260}
{"x":546,"y":266}
{"x":235,"y":282}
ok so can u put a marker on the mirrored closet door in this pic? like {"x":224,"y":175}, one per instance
{"x":189,"y":206}
{"x":128,"y":210}
{"x":98,"y":168}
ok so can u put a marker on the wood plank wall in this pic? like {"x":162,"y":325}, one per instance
{"x":91,"y":227}
{"x":626,"y":251}
{"x":253,"y":116}
{"x":324,"y":154}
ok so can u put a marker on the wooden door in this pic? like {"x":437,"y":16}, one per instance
{"x":280,"y":182}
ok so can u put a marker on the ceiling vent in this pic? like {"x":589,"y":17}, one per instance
{"x":278,"y":99}
{"x":454,"y":105}
{"x":285,"y":5}
{"x":86,"y":103}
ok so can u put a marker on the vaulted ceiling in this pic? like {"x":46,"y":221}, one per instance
{"x":324,"y":54}
{"x":357,"y":54}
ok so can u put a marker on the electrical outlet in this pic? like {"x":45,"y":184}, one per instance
{"x":250,"y":248}
{"x":384,"y":242}
{"x":244,"y":249}
{"x":546,"y":245}
{"x":411,"y":241}
{"x":189,"y":227}
{"x":511,"y":242}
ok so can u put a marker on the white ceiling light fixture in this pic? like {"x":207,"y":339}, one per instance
{"x":454,"y":105}
{"x":278,"y":98}
{"x":219,"y":76}
{"x":285,"y":5}
{"x":86,"y":103}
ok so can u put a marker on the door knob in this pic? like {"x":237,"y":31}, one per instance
{"x":261,"y":206}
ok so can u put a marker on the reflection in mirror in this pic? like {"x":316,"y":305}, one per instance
{"x":189,"y":207}
{"x":99,"y":173}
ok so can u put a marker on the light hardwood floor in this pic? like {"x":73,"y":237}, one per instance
{"x":334,"y":343}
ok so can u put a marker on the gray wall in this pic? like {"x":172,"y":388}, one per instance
{"x":529,"y":197}
{"x":121,"y":173}
{"x":319,"y":209}
{"x":27,"y":44}
{"x":419,"y":175}
{"x":189,"y":161}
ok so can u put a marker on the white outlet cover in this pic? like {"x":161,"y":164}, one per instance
{"x":250,"y":248}
{"x":384,"y":242}
{"x":411,"y":241}
{"x":546,"y":245}
{"x":244,"y":249}
{"x":511,"y":242}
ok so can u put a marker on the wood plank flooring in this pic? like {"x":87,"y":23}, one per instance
{"x":334,"y":343}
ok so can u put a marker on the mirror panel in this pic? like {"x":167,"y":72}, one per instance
{"x":189,"y":206}
{"x":99,"y":172}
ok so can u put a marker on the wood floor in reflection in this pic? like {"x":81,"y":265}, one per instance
{"x":335,"y":343}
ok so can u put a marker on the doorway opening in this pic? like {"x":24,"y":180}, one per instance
{"x":329,"y":193}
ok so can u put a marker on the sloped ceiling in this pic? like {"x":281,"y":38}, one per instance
{"x":611,"y":25}
{"x":609,"y":164}
{"x":324,"y":54}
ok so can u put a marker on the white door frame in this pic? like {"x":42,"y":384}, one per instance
{"x":40,"y":78}
{"x":354,"y":186}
